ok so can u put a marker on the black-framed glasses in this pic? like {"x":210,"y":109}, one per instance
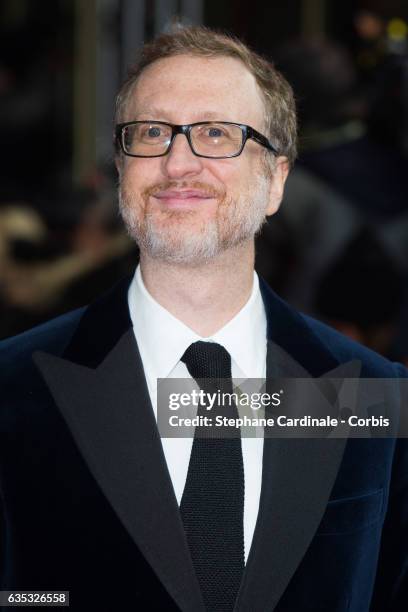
{"x":212,"y":139}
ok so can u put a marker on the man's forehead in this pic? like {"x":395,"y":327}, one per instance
{"x":197,"y":85}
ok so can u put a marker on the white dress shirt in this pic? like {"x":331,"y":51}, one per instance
{"x":162,"y":340}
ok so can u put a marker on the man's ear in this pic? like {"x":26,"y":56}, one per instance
{"x":118,"y":164}
{"x":279,"y":176}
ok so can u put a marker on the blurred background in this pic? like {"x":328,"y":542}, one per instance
{"x":337,"y":249}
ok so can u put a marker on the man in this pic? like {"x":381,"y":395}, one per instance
{"x":93,"y":501}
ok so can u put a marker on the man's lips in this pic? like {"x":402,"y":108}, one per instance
{"x":184,"y":197}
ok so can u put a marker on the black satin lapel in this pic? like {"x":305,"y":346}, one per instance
{"x":109,"y":413}
{"x":287,"y":329}
{"x":101,"y":326}
{"x":297,"y":475}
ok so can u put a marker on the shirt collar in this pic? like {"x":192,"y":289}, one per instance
{"x":162,"y":338}
{"x":244,"y":336}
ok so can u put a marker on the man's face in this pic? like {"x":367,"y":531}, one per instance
{"x":187,"y":209}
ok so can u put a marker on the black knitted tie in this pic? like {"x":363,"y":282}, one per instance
{"x":212,"y":506}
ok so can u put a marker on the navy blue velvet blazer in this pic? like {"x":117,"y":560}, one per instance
{"x":87,"y":504}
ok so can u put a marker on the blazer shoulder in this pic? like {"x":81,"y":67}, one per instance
{"x":344,"y":349}
{"x":52,"y":336}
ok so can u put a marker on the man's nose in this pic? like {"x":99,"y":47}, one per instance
{"x":181,"y":161}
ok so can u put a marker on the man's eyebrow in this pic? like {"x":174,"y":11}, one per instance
{"x":162,"y":115}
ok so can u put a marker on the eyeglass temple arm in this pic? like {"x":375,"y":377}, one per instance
{"x":262,"y":140}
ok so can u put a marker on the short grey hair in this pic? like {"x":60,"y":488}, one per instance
{"x":277,"y":94}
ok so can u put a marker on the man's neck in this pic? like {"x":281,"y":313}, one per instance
{"x":203,"y":297}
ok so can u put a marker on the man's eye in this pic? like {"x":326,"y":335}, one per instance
{"x":154,"y":132}
{"x":215,"y":132}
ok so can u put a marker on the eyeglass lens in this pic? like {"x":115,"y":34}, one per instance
{"x":211,"y":139}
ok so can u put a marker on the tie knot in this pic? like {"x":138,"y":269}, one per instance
{"x":207,"y":360}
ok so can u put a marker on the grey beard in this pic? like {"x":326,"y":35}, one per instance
{"x":244,"y":218}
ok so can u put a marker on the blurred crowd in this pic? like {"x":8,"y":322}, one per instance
{"x":52,"y":263}
{"x":337,"y":249}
